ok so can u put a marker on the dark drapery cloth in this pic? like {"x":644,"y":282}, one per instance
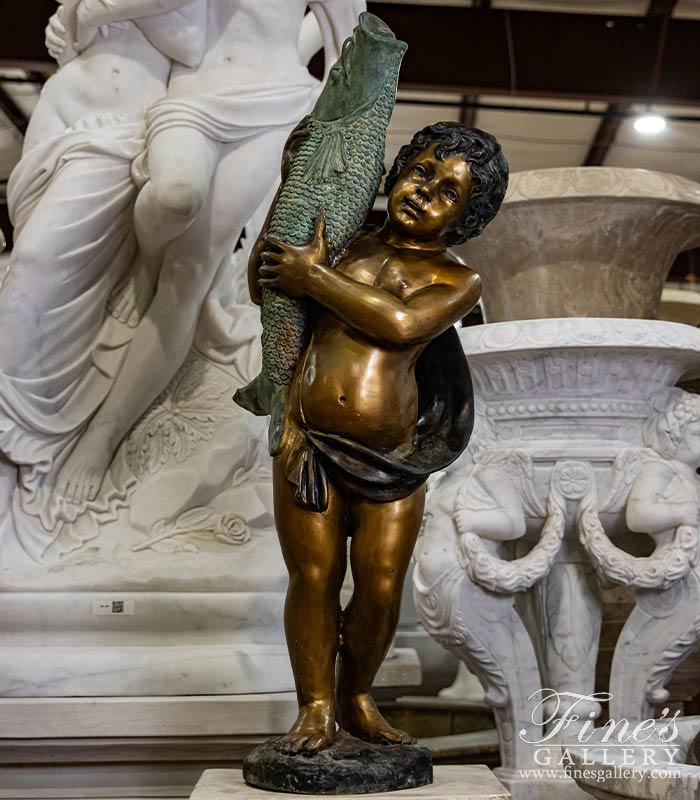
{"x":445,"y":422}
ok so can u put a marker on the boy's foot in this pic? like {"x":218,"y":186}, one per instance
{"x":313,"y":730}
{"x":359,"y":716}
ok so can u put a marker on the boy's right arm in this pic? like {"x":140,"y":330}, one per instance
{"x":294,"y":141}
{"x":255,"y":260}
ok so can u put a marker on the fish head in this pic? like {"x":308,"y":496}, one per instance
{"x":370,"y":58}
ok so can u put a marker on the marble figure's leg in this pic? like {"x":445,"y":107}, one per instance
{"x":662,"y":630}
{"x":383,"y":538}
{"x":165,"y":334}
{"x":62,"y":268}
{"x":181,"y":163}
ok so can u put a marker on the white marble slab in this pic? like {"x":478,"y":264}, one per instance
{"x":80,"y":717}
{"x":132,"y":668}
{"x":204,"y":714}
{"x":475,"y":782}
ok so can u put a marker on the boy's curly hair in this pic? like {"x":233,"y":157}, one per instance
{"x":487,"y":165}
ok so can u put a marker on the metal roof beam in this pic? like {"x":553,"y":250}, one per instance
{"x":587,"y":56}
{"x":13,"y":112}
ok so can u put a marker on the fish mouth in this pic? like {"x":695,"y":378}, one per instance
{"x":412,"y":207}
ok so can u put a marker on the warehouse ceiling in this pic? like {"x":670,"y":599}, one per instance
{"x":559,"y":83}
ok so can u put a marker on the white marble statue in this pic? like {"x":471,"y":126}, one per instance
{"x":71,"y":199}
{"x":466,"y":592}
{"x":192,"y":101}
{"x":213,"y":152}
{"x":664,"y":503}
{"x":581,"y":445}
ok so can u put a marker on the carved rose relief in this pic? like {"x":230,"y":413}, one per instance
{"x":196,"y":524}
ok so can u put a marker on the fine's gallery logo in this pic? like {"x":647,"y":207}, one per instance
{"x":571,"y":745}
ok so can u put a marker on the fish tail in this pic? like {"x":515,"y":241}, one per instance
{"x":256,"y":396}
{"x":278,"y":404}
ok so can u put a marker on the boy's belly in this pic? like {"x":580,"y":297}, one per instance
{"x":361,"y":392}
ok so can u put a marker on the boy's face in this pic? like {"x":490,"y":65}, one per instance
{"x":430,"y":196}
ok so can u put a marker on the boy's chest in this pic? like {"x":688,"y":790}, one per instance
{"x":387,"y":272}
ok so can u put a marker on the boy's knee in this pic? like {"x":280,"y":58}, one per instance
{"x":318,"y":574}
{"x":381,"y":587}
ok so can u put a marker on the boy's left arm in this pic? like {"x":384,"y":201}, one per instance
{"x":389,"y":320}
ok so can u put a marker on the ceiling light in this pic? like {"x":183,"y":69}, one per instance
{"x":649,"y":123}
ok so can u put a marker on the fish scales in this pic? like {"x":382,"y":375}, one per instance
{"x":344,"y":198}
{"x":335,"y":172}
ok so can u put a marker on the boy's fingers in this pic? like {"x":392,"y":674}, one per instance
{"x":270,"y":241}
{"x":320,"y":226}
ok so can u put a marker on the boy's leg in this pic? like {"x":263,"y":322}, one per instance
{"x":313,"y":546}
{"x":383,"y":538}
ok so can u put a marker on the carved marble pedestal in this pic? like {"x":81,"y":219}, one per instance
{"x":584,"y":242}
{"x":523,"y":529}
{"x":518,"y":528}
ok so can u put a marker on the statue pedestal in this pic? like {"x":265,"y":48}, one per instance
{"x":520,"y":529}
{"x":449,"y":783}
{"x":558,"y":442}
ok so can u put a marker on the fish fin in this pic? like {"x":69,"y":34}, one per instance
{"x":255,"y":397}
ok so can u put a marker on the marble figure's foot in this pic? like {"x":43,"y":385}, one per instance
{"x":313,"y":730}
{"x":81,"y":477}
{"x":130,"y":299}
{"x":359,"y":716}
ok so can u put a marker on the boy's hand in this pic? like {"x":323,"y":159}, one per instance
{"x":287,"y":267}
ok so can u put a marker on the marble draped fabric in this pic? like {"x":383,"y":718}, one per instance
{"x":58,"y":352}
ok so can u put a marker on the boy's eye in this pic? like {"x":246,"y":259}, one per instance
{"x":418,"y":169}
{"x":451,"y":195}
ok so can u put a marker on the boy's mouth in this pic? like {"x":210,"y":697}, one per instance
{"x":412,"y":207}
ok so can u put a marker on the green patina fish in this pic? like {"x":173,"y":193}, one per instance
{"x":335,"y":172}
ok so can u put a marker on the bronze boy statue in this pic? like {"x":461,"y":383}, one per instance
{"x":380,"y":399}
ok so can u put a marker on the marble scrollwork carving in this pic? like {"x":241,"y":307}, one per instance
{"x":662,"y":502}
{"x":470,"y":606}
